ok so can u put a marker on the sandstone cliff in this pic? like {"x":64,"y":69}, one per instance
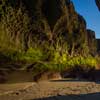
{"x":25,"y":19}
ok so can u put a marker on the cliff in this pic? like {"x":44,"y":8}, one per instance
{"x":92,"y":41}
{"x":46,"y":19}
{"x":42,"y":36}
{"x":98,"y":45}
{"x":98,"y":3}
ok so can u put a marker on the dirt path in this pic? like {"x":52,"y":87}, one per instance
{"x":51,"y":90}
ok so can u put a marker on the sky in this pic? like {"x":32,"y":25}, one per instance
{"x":89,"y":10}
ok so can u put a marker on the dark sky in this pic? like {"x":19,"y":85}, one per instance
{"x":89,"y":10}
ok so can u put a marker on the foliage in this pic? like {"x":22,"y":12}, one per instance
{"x":72,"y":63}
{"x":32,"y":54}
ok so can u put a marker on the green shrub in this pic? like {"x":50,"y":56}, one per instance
{"x":33,"y":54}
{"x":58,"y":58}
{"x":81,"y":61}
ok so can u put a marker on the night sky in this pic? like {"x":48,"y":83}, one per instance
{"x":89,"y":10}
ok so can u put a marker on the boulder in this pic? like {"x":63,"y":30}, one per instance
{"x":45,"y":76}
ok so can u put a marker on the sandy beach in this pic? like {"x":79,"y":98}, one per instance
{"x":51,"y":90}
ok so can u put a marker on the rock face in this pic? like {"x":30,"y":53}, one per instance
{"x":98,"y":45}
{"x":62,"y":17}
{"x":91,"y":41}
{"x":98,"y":4}
{"x":53,"y":17}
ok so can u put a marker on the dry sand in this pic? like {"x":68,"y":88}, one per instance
{"x":51,"y":90}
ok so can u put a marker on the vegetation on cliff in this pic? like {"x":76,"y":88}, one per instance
{"x":49,"y":33}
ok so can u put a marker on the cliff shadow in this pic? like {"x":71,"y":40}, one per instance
{"x":92,"y":96}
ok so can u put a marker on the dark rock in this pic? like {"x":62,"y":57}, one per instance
{"x":98,"y":3}
{"x":91,"y":41}
{"x":3,"y":78}
{"x":98,"y":45}
{"x":47,"y":76}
